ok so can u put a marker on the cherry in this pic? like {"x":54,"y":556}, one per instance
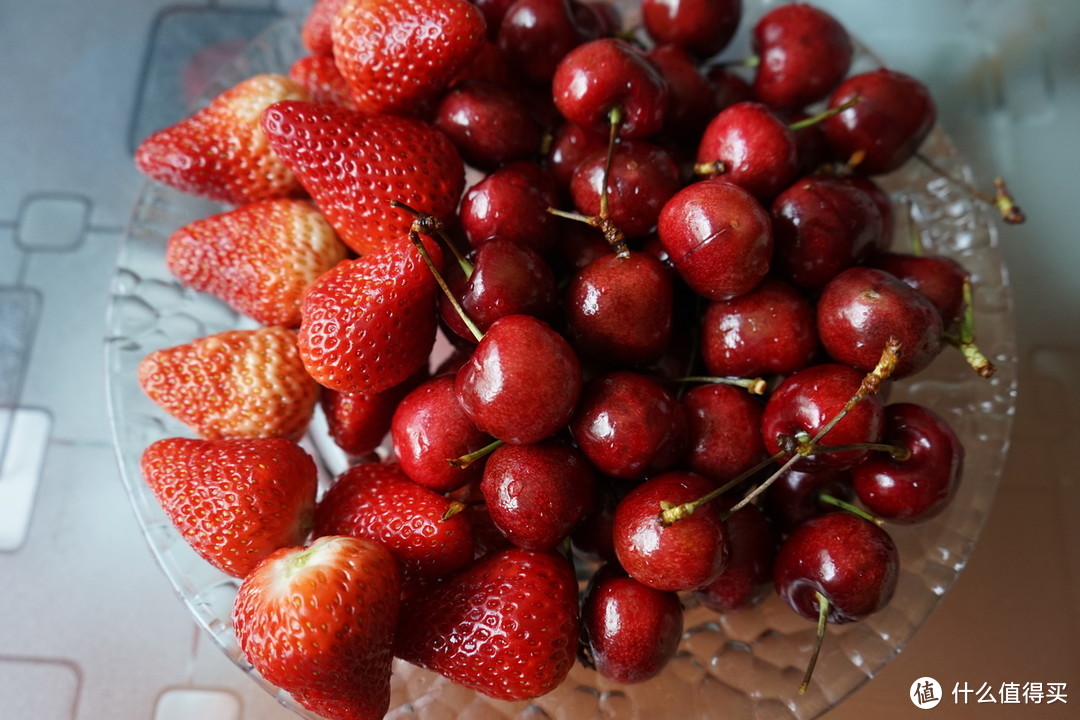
{"x":881,"y":200}
{"x":429,"y":429}
{"x":358,"y":422}
{"x":678,"y":556}
{"x":919,"y":487}
{"x":569,"y":146}
{"x":522,"y":382}
{"x":536,"y":494}
{"x":728,"y":87}
{"x":702,"y":27}
{"x":750,"y":146}
{"x":535,"y":34}
{"x":592,"y":538}
{"x":576,"y":248}
{"x":938,"y":277}
{"x":511,"y":203}
{"x":886,"y":127}
{"x":746,"y":579}
{"x":803,"y":54}
{"x":490,"y":125}
{"x":631,"y":630}
{"x":494,"y":11}
{"x":691,"y":99}
{"x":719,"y":238}
{"x":862,"y":307}
{"x":770,"y":329}
{"x":724,"y":430}
{"x":620,"y":306}
{"x":795,"y":496}
{"x":629,"y":426}
{"x":823,"y":225}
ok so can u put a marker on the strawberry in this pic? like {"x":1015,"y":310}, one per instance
{"x":220,"y":152}
{"x":235,"y":501}
{"x":379,"y":502}
{"x":315,"y":32}
{"x":353,"y":165}
{"x":259,"y":258}
{"x":318,"y":623}
{"x":358,"y":422}
{"x":322,"y":80}
{"x":368,"y":324}
{"x":397,"y":54}
{"x":238,"y":383}
{"x":506,"y":626}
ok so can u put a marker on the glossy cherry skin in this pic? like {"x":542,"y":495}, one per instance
{"x":522,"y":382}
{"x":631,"y":630}
{"x":724,"y":429}
{"x":852,"y":562}
{"x":592,"y":538}
{"x":861,"y":308}
{"x":691,"y":100}
{"x":620,"y":307}
{"x":642,"y":178}
{"x":702,"y":27}
{"x":939,"y":278}
{"x":919,"y":487}
{"x":894,"y":115}
{"x":428,"y":429}
{"x":748,"y":575}
{"x":719,"y":238}
{"x":494,"y":11}
{"x":629,"y":426}
{"x":684,"y":555}
{"x":803,"y":54}
{"x":728,"y":87}
{"x":535,"y":34}
{"x":754,"y":147}
{"x":490,"y":125}
{"x":795,"y":496}
{"x":769,"y":330}
{"x":809,"y":399}
{"x":823,"y":225}
{"x":511,"y":204}
{"x":569,"y":146}
{"x":536,"y":494}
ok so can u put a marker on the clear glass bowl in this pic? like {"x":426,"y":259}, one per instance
{"x":748,"y":664}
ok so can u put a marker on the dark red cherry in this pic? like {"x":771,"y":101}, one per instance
{"x":861,"y":308}
{"x":629,"y":426}
{"x":748,"y":575}
{"x":920,"y":486}
{"x":941,"y":279}
{"x":803,"y":54}
{"x":358,"y":422}
{"x":683,"y":555}
{"x":522,"y":382}
{"x":894,"y":115}
{"x":728,"y":87}
{"x":809,"y":399}
{"x":592,"y":538}
{"x":881,"y":200}
{"x":691,"y":100}
{"x":570,"y":145}
{"x":719,"y":238}
{"x":536,"y":494}
{"x":795,"y":496}
{"x":852,"y":562}
{"x":429,"y":428}
{"x":631,"y":630}
{"x":769,"y":330}
{"x":490,"y":125}
{"x":821,"y":226}
{"x":751,"y":146}
{"x":511,"y":204}
{"x":494,"y":11}
{"x":725,"y":431}
{"x":535,"y":34}
{"x":701,"y":27}
{"x":577,"y":246}
{"x":619,"y":308}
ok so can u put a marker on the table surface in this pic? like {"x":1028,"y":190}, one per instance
{"x":83,"y":82}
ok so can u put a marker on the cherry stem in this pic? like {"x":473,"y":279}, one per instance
{"x":1001,"y":198}
{"x":871,"y":383}
{"x":455,"y":507}
{"x":848,"y":507}
{"x":422,"y":224}
{"x":754,"y":386}
{"x":966,"y":341}
{"x":914,"y":233}
{"x":710,"y":169}
{"x":823,"y":616}
{"x":430,"y":225}
{"x":825,"y":114}
{"x":469,"y":458}
{"x":612,"y":234}
{"x":670,"y":513}
{"x":897,"y":452}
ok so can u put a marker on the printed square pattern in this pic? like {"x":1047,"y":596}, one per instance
{"x":204,"y":704}
{"x":52,"y":222}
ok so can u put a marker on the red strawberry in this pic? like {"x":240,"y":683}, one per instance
{"x":259,"y":258}
{"x":370,"y":323}
{"x":315,"y":33}
{"x":322,"y":80}
{"x":506,"y":626}
{"x":318,"y":622}
{"x":358,"y":422}
{"x":379,"y":502}
{"x":234,"y":501}
{"x":220,"y":152}
{"x":238,"y":383}
{"x":397,"y":54}
{"x":353,"y":165}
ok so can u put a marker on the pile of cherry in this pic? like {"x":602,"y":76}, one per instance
{"x":675,"y":309}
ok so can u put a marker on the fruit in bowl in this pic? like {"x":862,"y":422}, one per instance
{"x":507,"y":440}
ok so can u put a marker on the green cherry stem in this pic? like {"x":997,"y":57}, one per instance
{"x":754,"y":386}
{"x":453,"y":509}
{"x":469,"y":458}
{"x":966,"y":340}
{"x":823,"y":616}
{"x":431,"y":225}
{"x":848,"y":507}
{"x":825,"y":114}
{"x":671,"y":513}
{"x":1001,"y":199}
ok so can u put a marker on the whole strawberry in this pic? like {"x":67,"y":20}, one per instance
{"x":259,"y":258}
{"x":397,"y":54}
{"x":315,"y":32}
{"x":234,"y":501}
{"x":322,"y":80}
{"x":318,"y":622}
{"x":506,"y":626}
{"x":220,"y":152}
{"x":238,"y":383}
{"x":353,"y":165}
{"x":368,"y":324}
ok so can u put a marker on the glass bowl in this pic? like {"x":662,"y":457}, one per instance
{"x":749,"y":663}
